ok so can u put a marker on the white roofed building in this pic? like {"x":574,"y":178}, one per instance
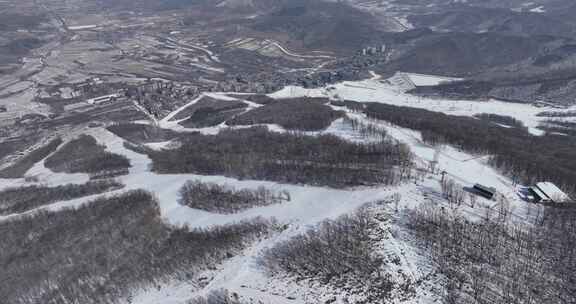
{"x":547,"y":192}
{"x":103,"y":99}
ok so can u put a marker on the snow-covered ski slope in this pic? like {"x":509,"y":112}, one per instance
{"x":383,"y":91}
{"x":309,"y":206}
{"x":242,"y":274}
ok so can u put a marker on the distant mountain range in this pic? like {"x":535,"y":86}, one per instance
{"x":502,"y":43}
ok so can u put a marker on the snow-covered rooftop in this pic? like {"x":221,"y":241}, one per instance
{"x":553,"y":192}
{"x":428,"y":80}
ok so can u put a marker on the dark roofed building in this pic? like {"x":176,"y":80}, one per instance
{"x":487,"y":192}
